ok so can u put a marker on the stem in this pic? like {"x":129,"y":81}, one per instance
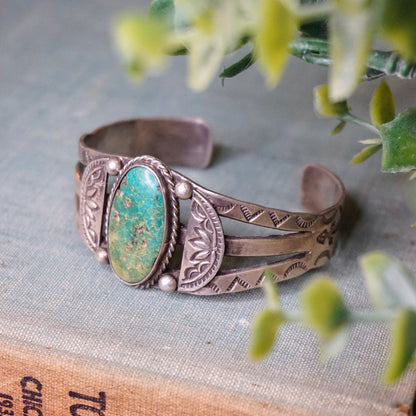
{"x":311,"y":50}
{"x":359,"y":121}
{"x":391,"y":64}
{"x":316,"y":51}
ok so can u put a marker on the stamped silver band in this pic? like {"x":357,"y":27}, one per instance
{"x":190,"y":257}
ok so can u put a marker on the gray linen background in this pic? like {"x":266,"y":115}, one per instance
{"x":59,"y":78}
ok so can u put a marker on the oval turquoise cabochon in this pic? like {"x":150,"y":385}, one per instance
{"x":136,"y":225}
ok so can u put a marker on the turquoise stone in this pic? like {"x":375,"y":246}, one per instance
{"x":136,"y":225}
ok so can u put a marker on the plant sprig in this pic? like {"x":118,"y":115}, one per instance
{"x":396,"y":134}
{"x":338,"y":34}
{"x":392,"y":289}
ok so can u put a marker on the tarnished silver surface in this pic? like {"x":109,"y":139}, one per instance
{"x":204,"y":246}
{"x":309,"y":241}
{"x":91,"y":202}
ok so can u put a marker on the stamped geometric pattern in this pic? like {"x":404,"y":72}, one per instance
{"x":309,"y":243}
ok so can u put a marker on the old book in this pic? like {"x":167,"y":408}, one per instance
{"x":40,"y":380}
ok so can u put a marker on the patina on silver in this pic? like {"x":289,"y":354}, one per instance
{"x":308,"y":241}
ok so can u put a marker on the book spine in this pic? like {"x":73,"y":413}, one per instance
{"x":30,"y":398}
{"x":36,"y":381}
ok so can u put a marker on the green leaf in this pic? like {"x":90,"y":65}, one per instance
{"x":164,"y":11}
{"x":338,"y":128}
{"x":264,"y":330}
{"x":323,"y":106}
{"x":352,"y":27}
{"x":240,"y":66}
{"x":398,"y":26}
{"x":276,"y":28}
{"x":403,"y":345}
{"x":365,"y":154}
{"x":382,"y":107}
{"x":389,"y":283}
{"x":399,"y":143}
{"x":324,"y":308}
{"x":142,"y":43}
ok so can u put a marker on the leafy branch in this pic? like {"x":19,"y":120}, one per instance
{"x":316,"y":51}
{"x":392,"y":290}
{"x":396,"y":134}
{"x":335,"y":33}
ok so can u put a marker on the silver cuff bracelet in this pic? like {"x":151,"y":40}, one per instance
{"x":127,"y":213}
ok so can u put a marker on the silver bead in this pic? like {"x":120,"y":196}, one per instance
{"x":167,"y":283}
{"x":113,"y":166}
{"x":101,"y":255}
{"x":183,"y":190}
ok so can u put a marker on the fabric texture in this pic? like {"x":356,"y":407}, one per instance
{"x":60,"y":78}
